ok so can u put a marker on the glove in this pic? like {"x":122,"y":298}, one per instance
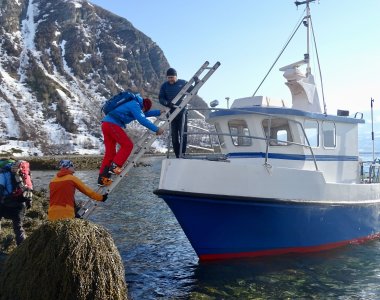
{"x":196,"y":79}
{"x":105,"y":196}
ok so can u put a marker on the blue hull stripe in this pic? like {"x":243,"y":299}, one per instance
{"x":292,"y":156}
{"x":230,"y":227}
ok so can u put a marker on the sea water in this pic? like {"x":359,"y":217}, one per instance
{"x":161,"y":264}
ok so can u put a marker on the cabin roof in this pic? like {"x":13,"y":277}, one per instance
{"x":284,"y":111}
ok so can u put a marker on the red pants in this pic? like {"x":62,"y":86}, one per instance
{"x":114,"y":134}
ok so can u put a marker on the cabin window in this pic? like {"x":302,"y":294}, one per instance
{"x":312,"y":132}
{"x":279,"y":131}
{"x":239,"y":133}
{"x":329,"y":134}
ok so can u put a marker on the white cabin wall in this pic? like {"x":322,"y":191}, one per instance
{"x":346,"y":145}
{"x":334,"y":170}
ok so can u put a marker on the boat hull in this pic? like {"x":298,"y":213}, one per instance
{"x":223,"y":227}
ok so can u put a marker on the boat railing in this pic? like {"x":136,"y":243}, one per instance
{"x":370,"y":171}
{"x":215,"y":147}
{"x":209,"y":135}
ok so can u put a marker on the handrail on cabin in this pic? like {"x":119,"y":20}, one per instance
{"x":370,"y":171}
{"x":268,"y":139}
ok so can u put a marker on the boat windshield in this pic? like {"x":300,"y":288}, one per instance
{"x":239,"y":133}
{"x":278,"y":131}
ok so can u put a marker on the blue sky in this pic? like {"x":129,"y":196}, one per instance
{"x":246,"y":36}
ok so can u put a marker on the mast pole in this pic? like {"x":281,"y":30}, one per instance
{"x":306,"y":22}
{"x":308,"y":70}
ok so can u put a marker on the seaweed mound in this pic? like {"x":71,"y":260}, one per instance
{"x":69,"y":259}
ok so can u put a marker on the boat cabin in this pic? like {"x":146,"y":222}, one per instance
{"x":299,"y":137}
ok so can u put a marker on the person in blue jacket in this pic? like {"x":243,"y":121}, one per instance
{"x":12,"y":206}
{"x":113,"y":125}
{"x":168,"y":92}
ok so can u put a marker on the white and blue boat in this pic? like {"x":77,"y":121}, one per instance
{"x":289,"y":179}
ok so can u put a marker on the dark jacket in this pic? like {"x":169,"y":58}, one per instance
{"x":169,"y":91}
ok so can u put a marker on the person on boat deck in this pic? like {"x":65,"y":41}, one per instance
{"x":113,"y":125}
{"x":13,"y":204}
{"x":62,"y":192}
{"x":168,"y":92}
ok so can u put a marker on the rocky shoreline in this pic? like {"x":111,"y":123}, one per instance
{"x":81,"y":162}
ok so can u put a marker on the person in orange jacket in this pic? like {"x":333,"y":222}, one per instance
{"x":62,"y":192}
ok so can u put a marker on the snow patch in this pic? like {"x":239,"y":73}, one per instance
{"x":28,"y":33}
{"x":19,"y":149}
{"x":159,"y":146}
{"x":86,"y":57}
{"x":122,"y":47}
{"x":65,"y":65}
{"x":8,"y":121}
{"x":77,"y":3}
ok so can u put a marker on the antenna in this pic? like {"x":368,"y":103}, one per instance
{"x":228,"y":102}
{"x":373,"y":136}
{"x":303,"y":2}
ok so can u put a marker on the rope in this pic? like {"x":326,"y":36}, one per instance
{"x":319,"y":67}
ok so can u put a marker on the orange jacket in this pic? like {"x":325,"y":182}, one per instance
{"x":62,"y":191}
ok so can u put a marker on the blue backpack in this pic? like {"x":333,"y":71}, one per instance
{"x":117,"y":100}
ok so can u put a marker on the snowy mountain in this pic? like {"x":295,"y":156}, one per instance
{"x":59,"y":60}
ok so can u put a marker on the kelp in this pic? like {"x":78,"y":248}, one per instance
{"x":69,"y":259}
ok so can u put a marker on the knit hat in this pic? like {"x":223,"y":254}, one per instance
{"x":171,"y":72}
{"x":147,"y":104}
{"x":66,"y":164}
